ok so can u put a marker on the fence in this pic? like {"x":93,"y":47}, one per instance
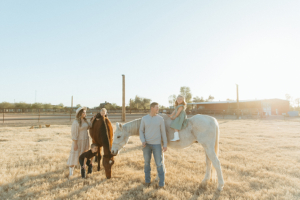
{"x":42,"y":114}
{"x":249,"y":113}
{"x":68,"y":110}
{"x":21,"y":110}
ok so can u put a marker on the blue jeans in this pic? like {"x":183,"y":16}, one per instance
{"x":159,"y":161}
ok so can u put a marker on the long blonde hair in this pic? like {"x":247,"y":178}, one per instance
{"x":183,"y":102}
{"x":78,"y":117}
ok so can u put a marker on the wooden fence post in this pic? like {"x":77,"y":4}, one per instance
{"x":123,"y":99}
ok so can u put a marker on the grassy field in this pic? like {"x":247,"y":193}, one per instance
{"x":260,"y":160}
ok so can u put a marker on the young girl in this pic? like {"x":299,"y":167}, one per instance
{"x":178,"y":116}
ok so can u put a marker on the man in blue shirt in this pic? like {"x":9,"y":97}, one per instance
{"x":152,"y":132}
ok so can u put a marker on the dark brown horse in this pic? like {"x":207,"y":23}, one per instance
{"x":102,"y":135}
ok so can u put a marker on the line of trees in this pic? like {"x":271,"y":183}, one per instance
{"x":139,"y":103}
{"x":134,"y":104}
{"x":186,"y":92}
{"x":23,"y":105}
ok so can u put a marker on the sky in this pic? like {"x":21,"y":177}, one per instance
{"x":52,"y":50}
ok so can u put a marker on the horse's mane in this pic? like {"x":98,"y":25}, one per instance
{"x":133,"y":126}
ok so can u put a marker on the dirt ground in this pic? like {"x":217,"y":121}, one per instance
{"x":260,"y":159}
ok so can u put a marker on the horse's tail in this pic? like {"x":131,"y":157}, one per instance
{"x":217,"y":140}
{"x":214,"y":174}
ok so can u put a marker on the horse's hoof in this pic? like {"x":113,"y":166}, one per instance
{"x":204,"y":182}
{"x":220,"y":188}
{"x":98,"y":169}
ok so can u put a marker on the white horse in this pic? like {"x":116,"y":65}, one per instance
{"x":200,"y":128}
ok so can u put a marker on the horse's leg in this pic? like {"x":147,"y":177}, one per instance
{"x":208,"y":171}
{"x":94,"y":142}
{"x":99,"y":157}
{"x":210,"y":152}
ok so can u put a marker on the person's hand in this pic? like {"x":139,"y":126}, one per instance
{"x":75,"y":147}
{"x":164,"y":149}
{"x":144,"y":144}
{"x":172,"y":118}
{"x":84,"y":166}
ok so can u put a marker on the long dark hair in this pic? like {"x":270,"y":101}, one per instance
{"x":78,"y":117}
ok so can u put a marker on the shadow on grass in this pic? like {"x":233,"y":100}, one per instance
{"x":31,"y":186}
{"x":126,"y":150}
{"x":204,"y":191}
{"x":136,"y":193}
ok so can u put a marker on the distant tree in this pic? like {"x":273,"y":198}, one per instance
{"x":109,"y":106}
{"x":78,"y":105}
{"x":229,"y":99}
{"x":198,"y":99}
{"x":59,"y":106}
{"x":112,"y":106}
{"x":22,"y":105}
{"x":210,"y":98}
{"x":162,"y":107}
{"x":186,"y":92}
{"x":6,"y":105}
{"x":48,"y":106}
{"x":131,"y":104}
{"x":172,"y":99}
{"x":56,"y":107}
{"x":145,"y":103}
{"x":137,"y":101}
{"x":37,"y":106}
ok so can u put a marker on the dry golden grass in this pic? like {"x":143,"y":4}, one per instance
{"x":260,"y":160}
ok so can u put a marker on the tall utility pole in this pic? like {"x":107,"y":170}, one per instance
{"x":123,"y":99}
{"x":237,"y":101}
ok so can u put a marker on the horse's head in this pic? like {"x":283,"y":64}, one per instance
{"x":121,"y":137}
{"x":108,"y":161}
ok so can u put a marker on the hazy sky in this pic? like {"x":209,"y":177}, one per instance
{"x":82,"y":48}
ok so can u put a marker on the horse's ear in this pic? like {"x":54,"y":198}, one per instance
{"x":119,"y":126}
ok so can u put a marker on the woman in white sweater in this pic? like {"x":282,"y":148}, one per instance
{"x":80,"y":137}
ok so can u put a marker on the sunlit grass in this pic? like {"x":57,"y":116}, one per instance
{"x":260,"y":160}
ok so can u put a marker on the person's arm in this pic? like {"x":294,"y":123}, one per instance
{"x":75,"y":145}
{"x":163,"y":134}
{"x":90,"y":124}
{"x":142,"y":133}
{"x":172,"y":114}
{"x":75,"y":133}
{"x":178,"y":112}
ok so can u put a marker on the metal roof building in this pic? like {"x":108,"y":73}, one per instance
{"x":269,"y":106}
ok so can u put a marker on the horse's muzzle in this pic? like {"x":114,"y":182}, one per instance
{"x":114,"y":153}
